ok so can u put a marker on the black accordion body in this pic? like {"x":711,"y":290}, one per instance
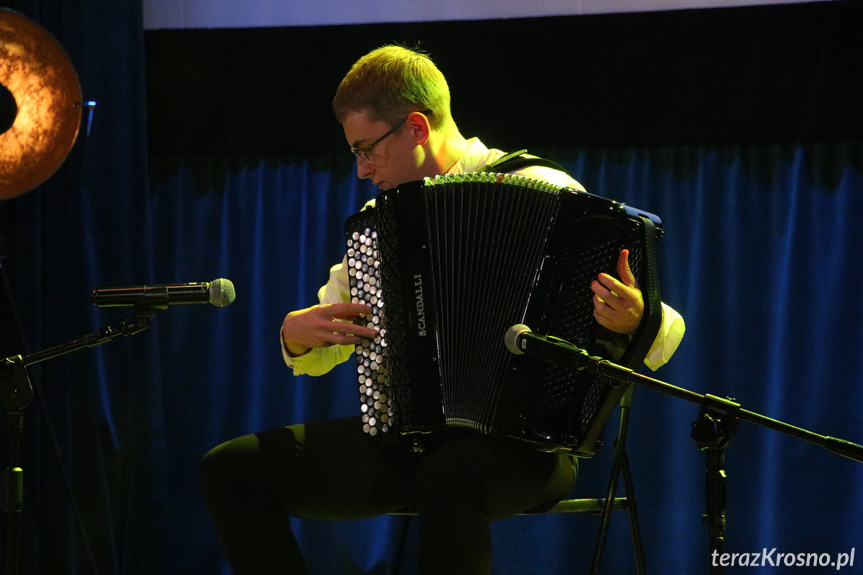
{"x":450,"y":264}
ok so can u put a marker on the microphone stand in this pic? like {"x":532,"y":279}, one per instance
{"x":713,"y":432}
{"x":16,"y":392}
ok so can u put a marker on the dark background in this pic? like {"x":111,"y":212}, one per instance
{"x":714,"y":76}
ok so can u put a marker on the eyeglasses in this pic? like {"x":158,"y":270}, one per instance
{"x":365,"y":151}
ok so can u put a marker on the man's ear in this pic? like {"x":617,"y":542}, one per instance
{"x":419,"y":126}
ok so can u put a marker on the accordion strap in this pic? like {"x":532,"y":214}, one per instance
{"x":652,"y":319}
{"x":518,"y":160}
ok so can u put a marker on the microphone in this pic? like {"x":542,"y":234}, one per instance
{"x":218,"y":292}
{"x":519,"y":340}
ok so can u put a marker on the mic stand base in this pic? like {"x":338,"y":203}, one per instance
{"x":713,"y":432}
{"x":16,"y":392}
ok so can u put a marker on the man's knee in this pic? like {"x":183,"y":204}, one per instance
{"x":224,"y":464}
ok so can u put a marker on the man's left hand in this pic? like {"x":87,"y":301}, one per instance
{"x":618,"y":304}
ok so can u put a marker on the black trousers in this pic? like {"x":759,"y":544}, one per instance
{"x":332,"y":470}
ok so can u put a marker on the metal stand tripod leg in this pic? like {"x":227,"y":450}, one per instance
{"x":620,"y":466}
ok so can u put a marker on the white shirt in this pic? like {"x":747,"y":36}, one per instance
{"x":337,"y":290}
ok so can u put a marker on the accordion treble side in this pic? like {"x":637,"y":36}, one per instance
{"x":450,"y":264}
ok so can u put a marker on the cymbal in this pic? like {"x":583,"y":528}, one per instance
{"x":40,"y":104}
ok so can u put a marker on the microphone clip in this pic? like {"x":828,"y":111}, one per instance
{"x":520,"y":340}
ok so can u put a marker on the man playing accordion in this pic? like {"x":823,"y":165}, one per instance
{"x":394,"y":106}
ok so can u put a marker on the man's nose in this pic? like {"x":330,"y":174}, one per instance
{"x":364,"y":168}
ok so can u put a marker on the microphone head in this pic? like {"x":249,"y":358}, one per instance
{"x":222,"y":292}
{"x":510,"y":338}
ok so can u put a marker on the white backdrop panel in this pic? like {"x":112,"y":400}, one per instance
{"x":160,"y":14}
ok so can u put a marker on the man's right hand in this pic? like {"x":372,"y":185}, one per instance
{"x":324,"y":325}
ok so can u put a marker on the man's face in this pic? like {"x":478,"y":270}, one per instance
{"x":392,"y":160}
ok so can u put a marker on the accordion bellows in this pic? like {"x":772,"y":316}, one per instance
{"x":449,"y":265}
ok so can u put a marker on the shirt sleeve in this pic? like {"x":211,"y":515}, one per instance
{"x":670,"y":333}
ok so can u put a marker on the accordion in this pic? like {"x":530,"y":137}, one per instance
{"x":450,"y":264}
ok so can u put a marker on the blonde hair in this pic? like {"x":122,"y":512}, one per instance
{"x":391,"y":82}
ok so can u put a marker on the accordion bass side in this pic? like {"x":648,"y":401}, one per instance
{"x":450,"y":264}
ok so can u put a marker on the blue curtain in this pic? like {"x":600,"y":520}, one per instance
{"x":758,"y":255}
{"x":759,"y":250}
